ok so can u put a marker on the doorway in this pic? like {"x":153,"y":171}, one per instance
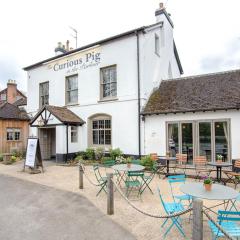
{"x":47,"y":139}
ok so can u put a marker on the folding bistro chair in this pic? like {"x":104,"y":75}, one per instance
{"x":175,"y":181}
{"x":132,"y":182}
{"x":234,"y":175}
{"x":147,"y":179}
{"x":136,"y":161}
{"x":228,"y":221}
{"x":181,"y":162}
{"x":102,"y":181}
{"x":200,"y":165}
{"x":171,"y":208}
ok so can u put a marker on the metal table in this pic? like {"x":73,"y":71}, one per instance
{"x":218,"y":192}
{"x":167,"y":160}
{"x":124,"y":168}
{"x":219,"y":166}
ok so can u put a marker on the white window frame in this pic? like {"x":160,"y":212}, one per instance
{"x":74,"y":134}
{"x":43,"y":96}
{"x":13,"y":131}
{"x":68,"y":90}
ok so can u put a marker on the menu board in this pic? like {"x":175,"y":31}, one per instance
{"x":31,"y":152}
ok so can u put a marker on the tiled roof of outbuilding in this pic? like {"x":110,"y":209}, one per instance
{"x":21,"y":102}
{"x":10,"y":111}
{"x":209,"y":92}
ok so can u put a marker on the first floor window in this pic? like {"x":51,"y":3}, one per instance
{"x":13,"y":134}
{"x":157,"y":45}
{"x":74,"y":134}
{"x":43,"y":94}
{"x":101,"y":131}
{"x":72,"y":89}
{"x":109,"y":82}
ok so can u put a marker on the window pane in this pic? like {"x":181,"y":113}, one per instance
{"x":107,"y":136}
{"x":107,"y":124}
{"x":173,"y":142}
{"x":72,"y":89}
{"x":106,"y":90}
{"x":43,"y":93}
{"x":95,"y":137}
{"x":205,"y":146}
{"x":109,"y":81}
{"x":101,"y":137}
{"x":101,"y":124}
{"x":221,"y":139}
{"x":113,"y":89}
{"x":95,"y":124}
{"x":187,"y":141}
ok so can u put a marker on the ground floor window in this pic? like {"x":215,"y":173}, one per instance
{"x":74,"y":134}
{"x":210,"y":138}
{"x":101,"y":130}
{"x":13,"y":134}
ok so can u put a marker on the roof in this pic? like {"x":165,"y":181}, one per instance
{"x":5,"y":90}
{"x":63,"y":114}
{"x":209,"y":92}
{"x":10,"y":111}
{"x":133,"y":31}
{"x":20,"y":102}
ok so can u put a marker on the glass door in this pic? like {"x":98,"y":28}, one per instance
{"x":205,"y":140}
{"x":187,"y":141}
{"x":173,"y":139}
{"x":221,"y":131}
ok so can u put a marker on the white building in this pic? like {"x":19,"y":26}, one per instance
{"x":196,"y":115}
{"x":96,"y":93}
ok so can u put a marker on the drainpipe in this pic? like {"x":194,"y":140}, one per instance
{"x":139,"y":96}
{"x":67,"y":142}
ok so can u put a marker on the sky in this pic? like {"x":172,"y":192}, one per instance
{"x":207,"y":33}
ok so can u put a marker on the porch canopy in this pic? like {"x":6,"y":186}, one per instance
{"x":53,"y":116}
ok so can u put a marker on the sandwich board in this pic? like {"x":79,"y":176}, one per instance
{"x":33,"y":155}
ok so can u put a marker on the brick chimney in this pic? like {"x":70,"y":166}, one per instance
{"x":11,"y":91}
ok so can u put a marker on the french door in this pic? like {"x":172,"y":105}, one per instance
{"x":210,"y":138}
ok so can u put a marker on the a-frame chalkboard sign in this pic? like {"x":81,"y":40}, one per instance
{"x":33,"y":154}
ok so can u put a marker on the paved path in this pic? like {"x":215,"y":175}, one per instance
{"x":30,"y":211}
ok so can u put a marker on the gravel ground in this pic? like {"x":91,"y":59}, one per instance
{"x":141,"y":226}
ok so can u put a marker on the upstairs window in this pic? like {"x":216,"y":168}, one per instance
{"x":72,"y":89}
{"x":74,"y":134}
{"x":3,"y":97}
{"x":157,"y":46}
{"x":13,"y":134}
{"x":43,"y":94}
{"x":109,"y":82}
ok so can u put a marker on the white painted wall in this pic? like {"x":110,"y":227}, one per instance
{"x":124,"y":111}
{"x":155,"y":129}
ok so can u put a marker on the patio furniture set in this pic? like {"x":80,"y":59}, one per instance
{"x":182,"y":192}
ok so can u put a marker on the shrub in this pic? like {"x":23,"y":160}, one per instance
{"x":13,"y":158}
{"x":99,"y":153}
{"x":90,"y":153}
{"x":147,"y":162}
{"x":82,"y":155}
{"x":114,"y":153}
{"x":1,"y":157}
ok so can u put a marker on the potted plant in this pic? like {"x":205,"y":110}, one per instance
{"x":129,"y":162}
{"x":219,"y":158}
{"x":207,"y":183}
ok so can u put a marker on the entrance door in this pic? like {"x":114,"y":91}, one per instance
{"x":187,"y":141}
{"x":47,"y":141}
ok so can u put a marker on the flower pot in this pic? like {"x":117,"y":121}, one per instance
{"x":219,"y":161}
{"x":208,"y":187}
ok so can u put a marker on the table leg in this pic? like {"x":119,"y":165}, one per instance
{"x":167,"y":167}
{"x":220,"y":173}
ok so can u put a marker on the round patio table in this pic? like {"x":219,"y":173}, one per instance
{"x":168,"y":160}
{"x":219,"y":166}
{"x":218,"y":192}
{"x":124,"y":168}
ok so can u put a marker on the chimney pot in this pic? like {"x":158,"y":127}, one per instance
{"x":161,"y":5}
{"x":67,"y":45}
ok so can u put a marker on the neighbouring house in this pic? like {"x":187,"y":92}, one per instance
{"x":96,"y":92}
{"x":196,"y":115}
{"x":14,"y":121}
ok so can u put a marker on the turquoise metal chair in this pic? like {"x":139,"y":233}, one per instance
{"x":228,"y":221}
{"x":133,"y":181}
{"x":172,"y":208}
{"x":102,"y":181}
{"x":136,"y":161}
{"x":174,"y":182}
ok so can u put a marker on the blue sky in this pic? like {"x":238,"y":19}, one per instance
{"x":207,"y":33}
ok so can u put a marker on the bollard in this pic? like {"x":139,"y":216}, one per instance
{"x":80,"y":177}
{"x":110,"y":198}
{"x":197,"y":231}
